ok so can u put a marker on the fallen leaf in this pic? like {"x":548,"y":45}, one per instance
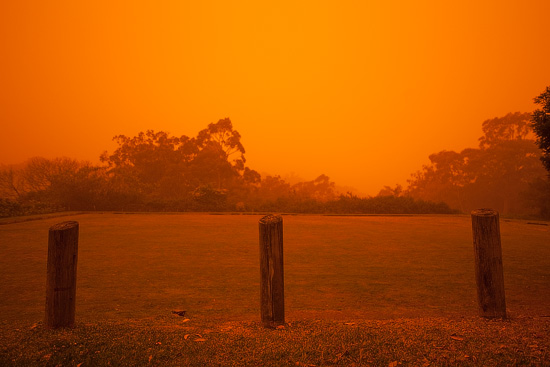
{"x":349,"y":323}
{"x":200,"y":340}
{"x":280,"y":327}
{"x":150,"y":358}
{"x":80,"y":364}
{"x":197,"y":336}
{"x":184,"y":320}
{"x":456,"y":337}
{"x":340,"y":355}
{"x":393,"y":364}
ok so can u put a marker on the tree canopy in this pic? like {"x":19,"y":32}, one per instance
{"x":155,"y":171}
{"x":540,"y":120}
{"x":498,"y":174}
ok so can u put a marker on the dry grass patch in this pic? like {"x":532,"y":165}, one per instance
{"x":169,"y":342}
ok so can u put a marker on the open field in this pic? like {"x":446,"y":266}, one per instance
{"x":373,"y":267}
{"x":136,"y":269}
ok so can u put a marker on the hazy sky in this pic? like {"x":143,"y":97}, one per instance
{"x":362,"y":91}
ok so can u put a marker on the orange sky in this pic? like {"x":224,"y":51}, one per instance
{"x":362,"y":91}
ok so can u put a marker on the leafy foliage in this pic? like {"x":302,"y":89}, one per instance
{"x":540,"y":120}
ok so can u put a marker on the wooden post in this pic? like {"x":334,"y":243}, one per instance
{"x":61,"y":275}
{"x":271,"y":271}
{"x":488,"y":263}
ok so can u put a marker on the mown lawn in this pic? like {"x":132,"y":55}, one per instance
{"x":374,"y":290}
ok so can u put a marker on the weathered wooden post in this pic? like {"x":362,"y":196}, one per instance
{"x":61,"y":275}
{"x":271,"y":271}
{"x":488,"y":263}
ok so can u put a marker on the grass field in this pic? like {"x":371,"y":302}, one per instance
{"x":134,"y":269}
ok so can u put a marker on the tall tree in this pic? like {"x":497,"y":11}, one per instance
{"x":513,"y":126}
{"x":151,"y":163}
{"x":495,"y":175}
{"x":223,"y":135}
{"x":221,"y":158}
{"x":540,"y":120}
{"x":12,"y":183}
{"x":148,"y":155}
{"x":42,"y":174}
{"x":161,"y":168}
{"x":320,"y":189}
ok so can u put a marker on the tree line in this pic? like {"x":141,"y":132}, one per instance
{"x":504,"y":173}
{"x":155,"y":171}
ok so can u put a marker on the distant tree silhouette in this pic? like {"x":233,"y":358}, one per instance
{"x":389,"y":191}
{"x":497,"y":174}
{"x":154,"y":171}
{"x":321,"y":189}
{"x":222,"y":135}
{"x":202,"y":172}
{"x":513,"y":126}
{"x":12,"y":184}
{"x":141,"y":164}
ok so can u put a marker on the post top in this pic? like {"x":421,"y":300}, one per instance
{"x":485,"y":212}
{"x":271,"y":219}
{"x":64,"y":225}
